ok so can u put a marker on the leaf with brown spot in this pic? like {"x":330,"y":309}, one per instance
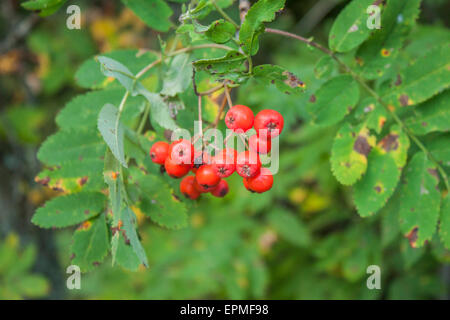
{"x":349,"y":153}
{"x":419,"y":193}
{"x":377,"y":185}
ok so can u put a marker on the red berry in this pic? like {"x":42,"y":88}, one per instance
{"x":260,"y":143}
{"x":174,"y":169}
{"x":239,"y":117}
{"x":221,"y":189}
{"x":200,"y":188}
{"x":248,"y":164}
{"x":159,"y":152}
{"x":182,"y":151}
{"x":188,"y":189}
{"x":261,"y":183}
{"x":270,"y":120}
{"x":206,"y":177}
{"x":224,"y":162}
{"x":244,"y":180}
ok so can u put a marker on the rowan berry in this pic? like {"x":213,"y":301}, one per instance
{"x":182,"y":151}
{"x":188,"y":189}
{"x":206,"y":177}
{"x":261,"y":183}
{"x":248,"y":164}
{"x":174,"y":169}
{"x":239,"y":117}
{"x":224,"y":162}
{"x":221,"y":189}
{"x":159,"y":152}
{"x":270,"y":120}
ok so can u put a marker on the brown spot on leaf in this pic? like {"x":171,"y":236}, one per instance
{"x":390,"y":142}
{"x":398,"y":81}
{"x":86,"y":211}
{"x":412,"y":237}
{"x":378,"y":189}
{"x":292,"y":81}
{"x":403,"y":99}
{"x":82,"y":181}
{"x":424,"y":124}
{"x":362,"y":146}
{"x":312,"y":99}
{"x":43,"y":182}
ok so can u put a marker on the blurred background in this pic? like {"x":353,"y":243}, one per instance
{"x":302,"y":240}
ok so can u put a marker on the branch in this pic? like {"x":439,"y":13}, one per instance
{"x":244,"y":6}
{"x":372,"y":93}
{"x":226,"y":17}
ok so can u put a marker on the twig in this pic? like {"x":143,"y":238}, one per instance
{"x":227,"y":95}
{"x":227,"y":17}
{"x":372,"y":93}
{"x":210,"y":91}
{"x":244,"y":6}
{"x":177,"y":52}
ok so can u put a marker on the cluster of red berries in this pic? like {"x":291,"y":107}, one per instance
{"x":180,"y":157}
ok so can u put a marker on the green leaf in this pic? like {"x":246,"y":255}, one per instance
{"x":372,"y":113}
{"x":110,"y":175}
{"x":90,"y":243}
{"x":74,"y":176}
{"x":350,"y":29}
{"x":284,"y":80}
{"x":349,"y":153}
{"x":113,"y":68}
{"x":83,"y":110}
{"x":129,"y":228}
{"x":125,"y":254}
{"x":378,"y":184}
{"x":444,"y":226}
{"x":419,"y":200}
{"x":159,"y":110}
{"x":233,"y":61}
{"x":260,"y":12}
{"x":390,"y":226}
{"x":89,"y":74}
{"x":426,"y":77}
{"x":290,"y":227}
{"x":158,"y":201}
{"x":155,"y":13}
{"x":324,"y":67}
{"x":68,"y":210}
{"x":179,"y":75}
{"x":71,"y":145}
{"x":396,"y":144}
{"x":334,"y":99}
{"x":430,"y":116}
{"x":46,"y":7}
{"x":378,"y":53}
{"x":111,"y":129}
{"x":220,"y":31}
